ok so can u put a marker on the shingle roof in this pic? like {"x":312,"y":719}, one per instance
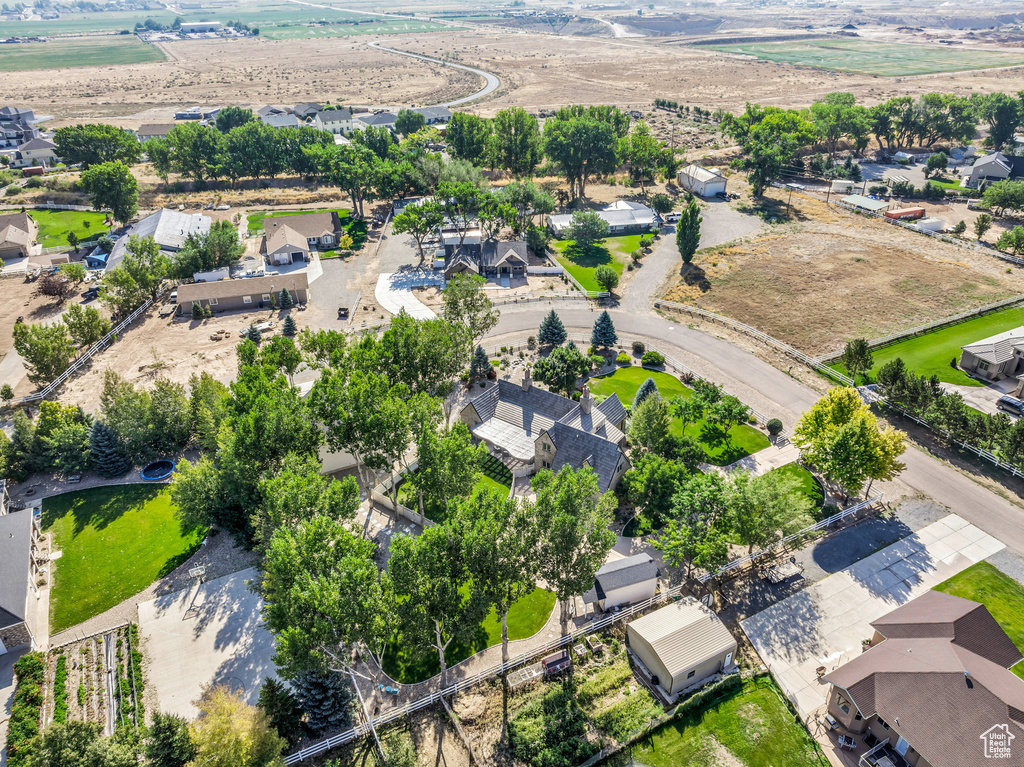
{"x":624,"y":572}
{"x":168,"y":228}
{"x":461,"y":256}
{"x":613,"y":409}
{"x":269,"y":110}
{"x":380,"y":118}
{"x":15,"y":230}
{"x":247,"y":286}
{"x":494,"y":252}
{"x":37,"y":143}
{"x":434,"y":113}
{"x":285,"y":236}
{"x":577,"y":448}
{"x":281,"y":120}
{"x":306,"y":224}
{"x":940,"y":677}
{"x":684,"y":634}
{"x":998,"y":348}
{"x":155,"y":129}
{"x":15,"y":558}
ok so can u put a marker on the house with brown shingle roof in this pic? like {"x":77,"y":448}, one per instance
{"x":151,"y":131}
{"x":243,"y":293}
{"x":934,"y":684}
{"x":17,"y":233}
{"x":291,"y":238}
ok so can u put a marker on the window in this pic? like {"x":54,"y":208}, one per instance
{"x":547,"y":447}
{"x":884,"y":723}
{"x":246,"y":299}
{"x":983,"y":366}
{"x":842,"y":703}
{"x":327,"y":239}
{"x":213,"y":302}
{"x":265,"y":297}
{"x":690,"y":675}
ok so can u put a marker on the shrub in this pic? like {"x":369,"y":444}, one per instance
{"x":550,"y":731}
{"x":60,"y":690}
{"x":531,"y":343}
{"x":13,"y":191}
{"x":623,"y":358}
{"x":774,"y":427}
{"x":652,"y":359}
{"x":639,"y":348}
{"x":23,"y":725}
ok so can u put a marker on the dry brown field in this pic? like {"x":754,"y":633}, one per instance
{"x":830,"y":275}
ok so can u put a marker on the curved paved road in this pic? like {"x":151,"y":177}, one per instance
{"x":491,"y":82}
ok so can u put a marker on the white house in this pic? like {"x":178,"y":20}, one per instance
{"x":38,"y":151}
{"x":624,"y":582}
{"x":622,"y":217}
{"x":701,"y":181}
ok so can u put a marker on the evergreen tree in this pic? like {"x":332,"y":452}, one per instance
{"x":647,"y":388}
{"x":603,"y":333}
{"x":289,"y":328}
{"x":170,"y":744}
{"x":197,"y":311}
{"x":480,"y":365}
{"x":326,"y":698}
{"x":285,"y":300}
{"x":253,"y":334}
{"x":688,"y":231}
{"x":107,"y":459}
{"x":282,"y":709}
{"x":552,"y":331}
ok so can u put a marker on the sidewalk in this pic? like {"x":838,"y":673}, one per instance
{"x":761,"y":462}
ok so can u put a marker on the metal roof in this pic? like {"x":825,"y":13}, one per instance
{"x":684,"y":634}
{"x":168,"y":228}
{"x":866,"y":203}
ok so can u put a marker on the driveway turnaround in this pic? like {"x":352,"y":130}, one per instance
{"x":215,"y":638}
{"x":394,"y":292}
{"x":825,"y":624}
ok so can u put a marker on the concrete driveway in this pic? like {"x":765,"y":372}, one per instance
{"x":983,"y":398}
{"x":825,"y":624}
{"x":394,"y":291}
{"x":217,"y":639}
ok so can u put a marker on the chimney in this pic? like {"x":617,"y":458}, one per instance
{"x":527,"y":381}
{"x":586,"y":403}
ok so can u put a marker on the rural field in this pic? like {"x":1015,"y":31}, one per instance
{"x":829,"y":275}
{"x":876,"y":58}
{"x":930,"y":354}
{"x":362,"y":27}
{"x":77,"y":52}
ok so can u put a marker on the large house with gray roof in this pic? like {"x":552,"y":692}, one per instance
{"x":622,"y":217}
{"x":19,"y":569}
{"x":934,"y":690}
{"x":996,"y":357}
{"x":168,"y":228}
{"x":529,"y":426}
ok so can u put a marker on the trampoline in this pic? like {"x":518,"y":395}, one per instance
{"x":158,"y":470}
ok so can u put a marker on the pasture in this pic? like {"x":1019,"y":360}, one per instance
{"x":874,"y":58}
{"x":77,"y":52}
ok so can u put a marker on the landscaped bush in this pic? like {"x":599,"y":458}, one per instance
{"x":550,"y":731}
{"x":639,"y":348}
{"x":28,"y":700}
{"x":774,"y":427}
{"x":653,"y":359}
{"x":60,"y":690}
{"x":623,"y":358}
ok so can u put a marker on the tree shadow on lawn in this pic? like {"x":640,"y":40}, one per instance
{"x":98,"y":506}
{"x":589,"y":256}
{"x":718,"y":444}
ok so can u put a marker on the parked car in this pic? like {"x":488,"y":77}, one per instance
{"x":673,"y":217}
{"x":90,"y":294}
{"x":1011,"y":405}
{"x":722,"y":195}
{"x":174,"y":296}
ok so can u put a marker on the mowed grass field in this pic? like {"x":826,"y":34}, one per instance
{"x":741,"y":441}
{"x":930,"y":354}
{"x":873,"y":58}
{"x":581,"y":263}
{"x":114,"y":542}
{"x":78,"y":52}
{"x":1001,"y":594}
{"x":54,"y":225}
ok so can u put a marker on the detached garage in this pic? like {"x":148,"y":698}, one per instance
{"x":701,"y":181}
{"x":680,"y":646}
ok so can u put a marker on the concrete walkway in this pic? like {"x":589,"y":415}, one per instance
{"x":394,"y":292}
{"x":761,"y":462}
{"x":825,"y":624}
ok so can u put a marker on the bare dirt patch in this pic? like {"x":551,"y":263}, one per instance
{"x":832,"y":275}
{"x":171,"y":348}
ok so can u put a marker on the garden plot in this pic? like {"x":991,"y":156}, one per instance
{"x":828,"y":275}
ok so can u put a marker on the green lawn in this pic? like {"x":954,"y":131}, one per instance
{"x":356,"y":228}
{"x":875,"y":58}
{"x":115,"y":541}
{"x":78,"y":52}
{"x":931,"y":353}
{"x":495,"y":476}
{"x":54,"y":225}
{"x":750,"y":728}
{"x":1001,"y":594}
{"x":408,"y":663}
{"x":582,"y":262}
{"x":809,"y":486}
{"x":741,"y":441}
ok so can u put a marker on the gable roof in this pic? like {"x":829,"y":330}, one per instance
{"x":15,"y":230}
{"x":280,"y":120}
{"x":433,"y":113}
{"x":307,"y":224}
{"x":36,"y":144}
{"x":15,"y":558}
{"x":380,"y":118}
{"x":683,"y":634}
{"x":270,"y":110}
{"x":334,"y":115}
{"x":576,"y":448}
{"x":168,"y":228}
{"x":461,"y":256}
{"x":245,"y":286}
{"x":998,"y":348}
{"x":624,"y":572}
{"x":950,"y":653}
{"x":702,"y":174}
{"x":493,"y":252}
{"x":154,"y":129}
{"x":285,"y":236}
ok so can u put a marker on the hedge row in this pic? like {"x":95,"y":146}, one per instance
{"x":28,"y":702}
{"x":60,"y":690}
{"x":710,"y":694}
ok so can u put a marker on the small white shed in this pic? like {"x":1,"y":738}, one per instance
{"x":701,"y":181}
{"x":623,"y":582}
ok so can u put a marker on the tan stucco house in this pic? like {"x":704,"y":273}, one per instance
{"x":293,"y":238}
{"x":17,"y":233}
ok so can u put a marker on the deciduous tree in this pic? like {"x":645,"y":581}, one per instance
{"x":688,"y":231}
{"x":230,"y":733}
{"x":112,"y":185}
{"x":857,"y":358}
{"x":516,"y":144}
{"x":46,"y":349}
{"x":420,"y":221}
